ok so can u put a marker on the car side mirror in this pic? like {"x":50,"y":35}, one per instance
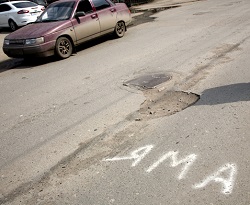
{"x":79,"y":14}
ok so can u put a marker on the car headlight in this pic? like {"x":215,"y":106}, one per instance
{"x":33,"y":41}
{"x":6,"y":42}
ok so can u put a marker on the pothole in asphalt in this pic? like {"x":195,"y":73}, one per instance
{"x":164,"y":103}
{"x":159,"y":102}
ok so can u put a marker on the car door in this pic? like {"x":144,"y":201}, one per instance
{"x":107,"y":15}
{"x":4,"y":14}
{"x":86,"y":26}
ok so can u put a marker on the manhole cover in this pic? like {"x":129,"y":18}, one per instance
{"x":148,"y":81}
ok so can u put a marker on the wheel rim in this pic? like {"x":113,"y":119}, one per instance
{"x":64,"y":47}
{"x":120,"y":28}
{"x":12,"y":25}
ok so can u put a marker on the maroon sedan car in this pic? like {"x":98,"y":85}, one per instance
{"x":65,"y":24}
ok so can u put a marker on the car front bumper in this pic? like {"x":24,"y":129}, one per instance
{"x":22,"y":51}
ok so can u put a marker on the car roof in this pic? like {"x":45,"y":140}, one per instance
{"x":66,"y":0}
{"x":17,"y":1}
{"x":10,"y":3}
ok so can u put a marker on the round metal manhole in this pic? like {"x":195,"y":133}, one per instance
{"x":148,"y":81}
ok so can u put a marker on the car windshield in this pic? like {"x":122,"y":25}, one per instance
{"x":57,"y":12}
{"x":24,"y":4}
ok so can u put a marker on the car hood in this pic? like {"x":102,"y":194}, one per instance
{"x":36,"y":30}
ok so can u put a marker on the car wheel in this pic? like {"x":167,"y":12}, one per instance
{"x":13,"y":25}
{"x":120,"y":29}
{"x":64,"y":47}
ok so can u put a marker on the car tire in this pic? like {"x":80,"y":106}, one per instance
{"x":13,"y":26}
{"x":120,"y":29}
{"x":63,"y":47}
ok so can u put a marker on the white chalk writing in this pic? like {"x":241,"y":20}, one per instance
{"x":225,"y":175}
{"x":134,"y":155}
{"x":229,"y":170}
{"x":188,"y":161}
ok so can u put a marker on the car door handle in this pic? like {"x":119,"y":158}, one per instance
{"x":93,"y":16}
{"x":113,"y":10}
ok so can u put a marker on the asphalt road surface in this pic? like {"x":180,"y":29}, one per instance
{"x":90,"y":130}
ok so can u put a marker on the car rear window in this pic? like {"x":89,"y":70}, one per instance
{"x":24,"y":4}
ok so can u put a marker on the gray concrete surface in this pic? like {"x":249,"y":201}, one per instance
{"x":68,"y":127}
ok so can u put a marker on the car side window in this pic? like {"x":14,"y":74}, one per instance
{"x":84,"y":6}
{"x":100,"y":4}
{"x":4,"y":8}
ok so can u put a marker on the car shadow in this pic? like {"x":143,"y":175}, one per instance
{"x":20,"y":63}
{"x":225,"y":94}
{"x":94,"y":42}
{"x":5,"y":30}
{"x":10,"y":64}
